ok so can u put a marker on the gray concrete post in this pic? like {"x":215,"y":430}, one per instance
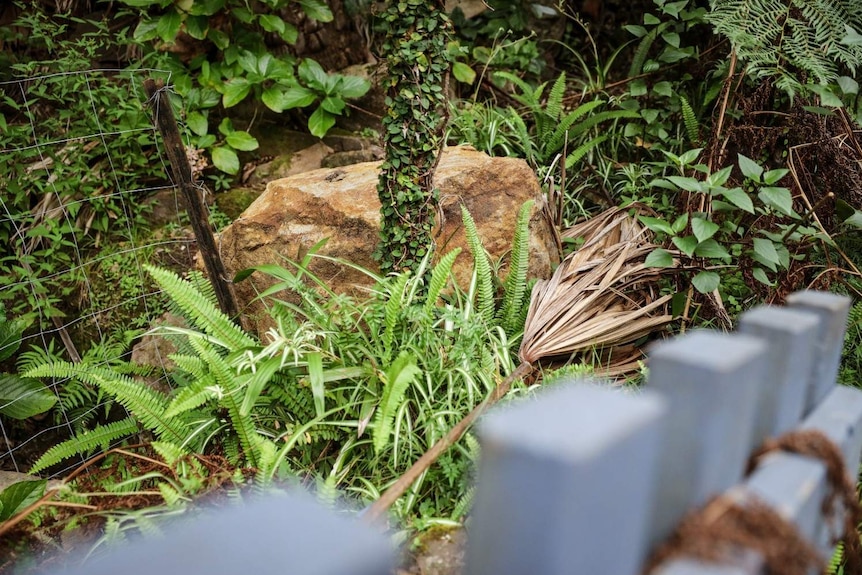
{"x":832,"y":310}
{"x":565,"y":481}
{"x":270,"y":536}
{"x":791,"y":336}
{"x":711,"y":382}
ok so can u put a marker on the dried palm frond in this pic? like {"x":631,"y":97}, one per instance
{"x":600,"y":296}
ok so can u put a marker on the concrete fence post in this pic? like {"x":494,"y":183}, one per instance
{"x":711,"y":382}
{"x":565,"y":481}
{"x":832,"y":310}
{"x":790,"y":336}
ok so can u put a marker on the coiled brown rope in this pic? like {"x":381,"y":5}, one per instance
{"x":842,"y":487}
{"x":716,"y":532}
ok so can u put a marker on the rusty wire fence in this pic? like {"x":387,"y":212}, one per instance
{"x":86,"y":199}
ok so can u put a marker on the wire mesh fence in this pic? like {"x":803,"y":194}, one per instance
{"x":86,"y":201}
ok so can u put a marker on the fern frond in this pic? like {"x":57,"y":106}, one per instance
{"x":596,"y":119}
{"x":690,"y":120}
{"x":555,"y":142}
{"x":583,"y":150}
{"x":777,"y":37}
{"x":224,"y":376}
{"x":481,"y":265}
{"x":392,"y":310}
{"x":639,"y":58}
{"x":516,"y":282}
{"x":100,"y":437}
{"x":199,"y":310}
{"x":439,"y":277}
{"x":193,"y":396}
{"x":146,"y":404}
{"x":399,"y":376}
{"x":546,"y":121}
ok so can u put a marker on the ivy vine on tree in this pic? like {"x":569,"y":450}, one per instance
{"x":417,"y":33}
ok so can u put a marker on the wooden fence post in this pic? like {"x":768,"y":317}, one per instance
{"x":711,"y":382}
{"x":832,"y":310}
{"x":163,"y":117}
{"x":565,"y":483}
{"x":791,"y":336}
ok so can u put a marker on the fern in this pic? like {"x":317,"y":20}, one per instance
{"x":392,"y":310}
{"x":639,"y":58}
{"x":399,"y":376}
{"x":546,"y":119}
{"x":778,"y":37}
{"x":100,"y":437}
{"x":439,"y":277}
{"x":516,"y":282}
{"x":690,"y":120}
{"x":583,"y":150}
{"x":199,"y":310}
{"x":482,"y":267}
{"x":146,"y":404}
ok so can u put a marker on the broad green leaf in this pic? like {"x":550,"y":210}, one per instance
{"x":855,"y":220}
{"x":353,"y":87}
{"x":851,"y":36}
{"x":719,"y":178}
{"x":711,"y":249}
{"x":766,"y":250}
{"x":750,"y":168}
{"x":679,"y":224}
{"x":657,"y":225}
{"x":23,"y":397}
{"x":235,"y":91}
{"x":219,"y":38}
{"x":686,"y":244}
{"x":738,"y":198}
{"x":197,"y":123}
{"x":778,"y":198}
{"x":773,"y":176}
{"x":225,"y":160}
{"x":10,"y":337}
{"x":169,"y":25}
{"x":240,"y":140}
{"x":760,"y":275}
{"x":272,"y":23}
{"x":146,"y":30}
{"x":19,"y":496}
{"x":706,"y":282}
{"x":320,"y":122}
{"x":703,"y":229}
{"x":659,"y":258}
{"x":688,"y":157}
{"x":333,"y":104}
{"x":848,"y":85}
{"x":316,"y":10}
{"x":687,"y":184}
{"x":313,"y":73}
{"x":197,"y":26}
{"x":295,"y":97}
{"x":463,"y":73}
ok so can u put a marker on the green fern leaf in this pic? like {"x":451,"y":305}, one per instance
{"x":439,"y":277}
{"x":392,"y":310}
{"x":583,"y":150}
{"x":399,"y":376}
{"x":199,"y":310}
{"x":482,"y":267}
{"x":690,"y":120}
{"x":146,"y":404}
{"x":516,"y":282}
{"x":100,"y":437}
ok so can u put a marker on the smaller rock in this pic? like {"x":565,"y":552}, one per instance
{"x":289,"y":164}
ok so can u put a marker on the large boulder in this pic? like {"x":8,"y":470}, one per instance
{"x":341,"y":204}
